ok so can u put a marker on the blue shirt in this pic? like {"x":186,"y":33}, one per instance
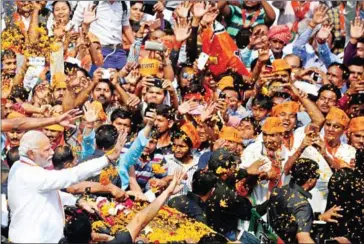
{"x":125,"y":161}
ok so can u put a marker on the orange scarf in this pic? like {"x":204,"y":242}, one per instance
{"x":332,"y":151}
{"x":288,"y":143}
{"x":300,"y":10}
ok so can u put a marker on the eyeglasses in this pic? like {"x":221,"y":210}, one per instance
{"x":187,"y":76}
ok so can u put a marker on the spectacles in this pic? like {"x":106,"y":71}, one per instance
{"x":187,"y":76}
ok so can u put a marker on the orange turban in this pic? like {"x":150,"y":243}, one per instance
{"x":273,"y":125}
{"x":230,"y":134}
{"x":226,"y":81}
{"x":356,"y":124}
{"x":59,"y":80}
{"x":55,"y":127}
{"x":14,"y":115}
{"x":192,"y":133}
{"x":338,"y":115}
{"x":280,"y":65}
{"x":288,"y":107}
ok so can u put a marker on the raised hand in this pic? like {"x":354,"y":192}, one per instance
{"x":133,"y":77}
{"x":177,"y":178}
{"x":210,"y":16}
{"x":200,"y":9}
{"x":324,"y":33}
{"x":183,"y":9}
{"x":90,"y":113}
{"x":187,"y":107}
{"x":133,"y":102}
{"x":320,"y":14}
{"x":167,"y":85}
{"x":159,"y":7}
{"x":263,"y":55}
{"x":128,"y":68}
{"x":89,"y":15}
{"x":67,"y":119}
{"x":114,"y":153}
{"x":182,"y":29}
{"x":357,"y":28}
{"x":329,"y":215}
{"x":254,"y":169}
{"x":207,"y":112}
{"x":38,"y":5}
{"x":150,"y":117}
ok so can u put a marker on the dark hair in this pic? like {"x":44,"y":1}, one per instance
{"x":78,"y":229}
{"x":263,"y":101}
{"x":7,"y":53}
{"x":330,"y":87}
{"x":229,"y":88}
{"x":106,"y":136}
{"x":12,"y":156}
{"x":165,"y":111}
{"x":182,"y":135}
{"x":66,"y":2}
{"x":256,"y":125}
{"x":343,"y":67}
{"x":132,"y":3}
{"x":361,"y":40}
{"x":359,"y":162}
{"x":120,"y":113}
{"x":61,"y":156}
{"x":304,"y":169}
{"x":18,"y":92}
{"x":203,"y":182}
{"x":108,"y":82}
{"x":84,"y":72}
{"x":70,"y":67}
{"x":357,"y":61}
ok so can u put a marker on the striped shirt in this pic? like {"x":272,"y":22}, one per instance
{"x":144,"y":171}
{"x":174,"y":164}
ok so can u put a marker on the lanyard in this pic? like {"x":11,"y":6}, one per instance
{"x":253,"y":19}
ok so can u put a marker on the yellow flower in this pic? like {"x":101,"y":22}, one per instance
{"x":221,"y":170}
{"x":223,"y":204}
{"x":158,"y":169}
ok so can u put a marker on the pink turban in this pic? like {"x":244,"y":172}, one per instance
{"x":280,"y":32}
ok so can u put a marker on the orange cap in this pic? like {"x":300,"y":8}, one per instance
{"x":149,"y":66}
{"x":356,"y":124}
{"x":226,"y":81}
{"x":273,"y":125}
{"x":192,"y":133}
{"x":230,"y":134}
{"x":55,"y":127}
{"x":280,"y":65}
{"x":288,"y":107}
{"x":338,"y":115}
{"x":14,"y":115}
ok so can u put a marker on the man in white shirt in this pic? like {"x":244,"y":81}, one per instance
{"x":328,"y":151}
{"x":36,"y":204}
{"x":112,"y":20}
{"x":274,"y":153}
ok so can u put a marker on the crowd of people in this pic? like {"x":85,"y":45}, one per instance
{"x":223,"y":110}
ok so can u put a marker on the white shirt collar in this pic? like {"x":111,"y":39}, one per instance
{"x":27,"y":160}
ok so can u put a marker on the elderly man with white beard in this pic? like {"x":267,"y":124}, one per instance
{"x":35,"y":200}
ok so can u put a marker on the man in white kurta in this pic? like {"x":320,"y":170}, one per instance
{"x":35,"y":200}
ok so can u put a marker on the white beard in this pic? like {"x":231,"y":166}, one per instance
{"x":42,"y":162}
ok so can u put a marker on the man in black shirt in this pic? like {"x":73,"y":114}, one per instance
{"x":194,"y":203}
{"x":225,"y":207}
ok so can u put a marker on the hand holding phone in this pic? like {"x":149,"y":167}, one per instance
{"x":106,"y":74}
{"x":202,"y":60}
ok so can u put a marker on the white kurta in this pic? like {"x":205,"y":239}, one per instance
{"x":319,"y":193}
{"x":35,"y":202}
{"x":251,"y":154}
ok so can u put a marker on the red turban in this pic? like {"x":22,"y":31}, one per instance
{"x":280,"y":32}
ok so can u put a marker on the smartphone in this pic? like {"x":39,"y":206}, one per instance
{"x":106,"y":74}
{"x":331,"y":241}
{"x":202,"y":60}
{"x":37,"y":61}
{"x":222,"y":95}
{"x":154,"y":46}
{"x":316,"y":77}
